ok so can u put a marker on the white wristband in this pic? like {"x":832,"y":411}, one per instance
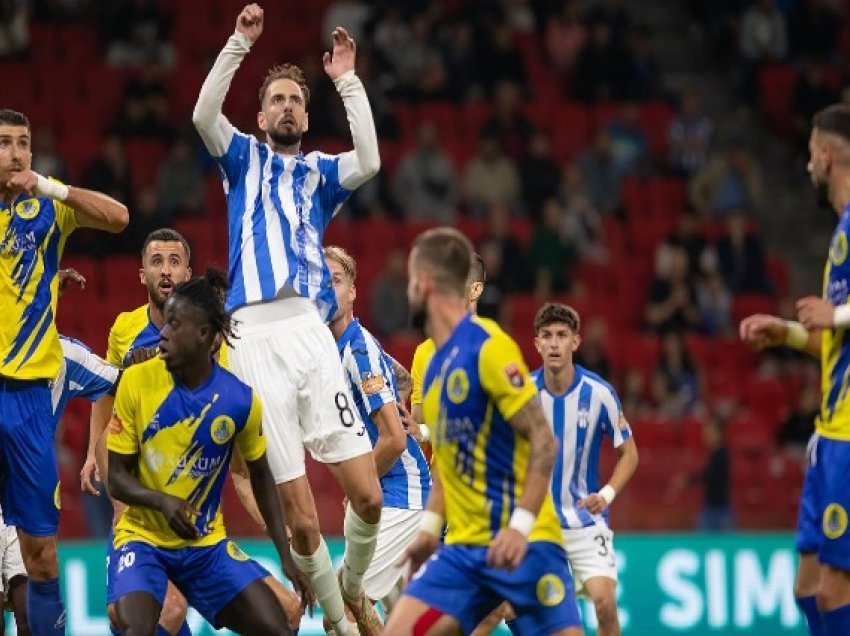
{"x":426,"y":432}
{"x":797,"y":336}
{"x":432,"y":523}
{"x":51,"y":189}
{"x":841,"y":317}
{"x":608,"y":493}
{"x":522,"y":521}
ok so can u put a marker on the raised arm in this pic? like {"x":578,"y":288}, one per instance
{"x":212,"y":125}
{"x":361,"y":164}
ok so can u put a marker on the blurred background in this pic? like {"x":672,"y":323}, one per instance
{"x":642,"y":160}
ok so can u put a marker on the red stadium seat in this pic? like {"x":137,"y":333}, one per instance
{"x":744,"y":305}
{"x":776,"y":84}
{"x":777,"y":271}
{"x":145,"y":156}
{"x":571,"y":131}
{"x":446,"y":117}
{"x":655,"y":121}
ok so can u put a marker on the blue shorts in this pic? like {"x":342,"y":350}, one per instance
{"x":111,"y":562}
{"x":458,"y":582}
{"x":822,"y":525}
{"x":29,"y":476}
{"x":210,"y":578}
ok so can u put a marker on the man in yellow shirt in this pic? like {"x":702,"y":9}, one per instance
{"x":491,"y":468}
{"x":177,"y":420}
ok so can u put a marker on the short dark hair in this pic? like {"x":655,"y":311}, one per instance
{"x":207,"y":294}
{"x":9,"y":117}
{"x":447,"y":254}
{"x":477,"y":274}
{"x":169,"y":235}
{"x":285,"y":71}
{"x":552,"y":313}
{"x":834,"y":119}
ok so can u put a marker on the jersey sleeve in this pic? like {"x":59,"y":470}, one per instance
{"x":370,"y":376}
{"x":504,"y":376}
{"x":114,"y":355}
{"x":250,"y":440}
{"x":89,"y":375}
{"x":417,"y":374}
{"x":333,"y":192}
{"x":66,"y":216}
{"x":616,"y":425}
{"x":234,"y":163}
{"x":122,"y":432}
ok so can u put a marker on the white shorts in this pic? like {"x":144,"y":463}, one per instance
{"x":591,"y":553}
{"x":11,"y":561}
{"x":398,"y":529}
{"x":291,"y":360}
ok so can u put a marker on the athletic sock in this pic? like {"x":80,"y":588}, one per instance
{"x":392,"y":597}
{"x":809,"y":607}
{"x":320,"y":571}
{"x":184,"y":630}
{"x":360,"y":541}
{"x":161,"y":631}
{"x":836,"y":622}
{"x":45,"y":609}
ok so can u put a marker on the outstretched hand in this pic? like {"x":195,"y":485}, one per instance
{"x":341,"y":60}
{"x":250,"y":22}
{"x":68,"y":276}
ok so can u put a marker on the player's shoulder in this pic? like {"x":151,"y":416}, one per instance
{"x":128,"y":321}
{"x":598,"y":383}
{"x":484,"y":330}
{"x":73,"y":348}
{"x":234,"y":388}
{"x":425,"y":349}
{"x":146,"y":374}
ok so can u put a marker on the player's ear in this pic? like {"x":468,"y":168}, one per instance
{"x":538,"y":345}
{"x":306,"y":125}
{"x":576,"y":343}
{"x":353,"y":292}
{"x":142,"y":276}
{"x":261,"y":121}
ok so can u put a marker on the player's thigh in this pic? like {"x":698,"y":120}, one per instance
{"x":255,"y":610}
{"x":30,"y":493}
{"x":39,"y":555}
{"x":591,"y":554}
{"x":212,"y":577}
{"x":299,"y":507}
{"x":398,"y":529}
{"x":138,"y":611}
{"x":412,"y":616}
{"x":139,"y":570}
{"x":288,"y":600}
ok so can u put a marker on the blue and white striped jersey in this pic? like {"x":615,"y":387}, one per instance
{"x":373,"y":384}
{"x":83,"y":374}
{"x":581,"y":417}
{"x":278,"y":209}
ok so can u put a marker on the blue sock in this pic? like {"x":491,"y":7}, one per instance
{"x":161,"y":631}
{"x":114,"y":630}
{"x":184,"y":630}
{"x":809,"y":607}
{"x":513,"y":627}
{"x":45,"y":609}
{"x":836,"y":622}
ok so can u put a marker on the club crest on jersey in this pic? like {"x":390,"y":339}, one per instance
{"x":372,"y":383}
{"x":512,"y":371}
{"x":222,"y":429}
{"x":28,"y":209}
{"x":57,"y":496}
{"x":834,"y":521}
{"x":550,"y":590}
{"x":584,"y":418}
{"x":457,"y":386}
{"x":838,"y":249}
{"x":235,"y":552}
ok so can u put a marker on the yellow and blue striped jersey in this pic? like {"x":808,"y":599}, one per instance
{"x":184,"y":441}
{"x":834,"y":418}
{"x":421,"y":357}
{"x":130,"y":331}
{"x":476,"y":382}
{"x":34,"y":231}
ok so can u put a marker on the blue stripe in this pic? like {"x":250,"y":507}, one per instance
{"x":278,"y":167}
{"x":836,"y":375}
{"x":261,"y":239}
{"x":584,"y":399}
{"x":559,"y":422}
{"x":299,"y":175}
{"x":233,"y":166}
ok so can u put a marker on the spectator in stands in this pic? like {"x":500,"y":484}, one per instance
{"x":138,"y":32}
{"x":672,"y":304}
{"x":180,"y":184}
{"x":633,"y":395}
{"x":814,"y":26}
{"x":110,"y":173}
{"x":419,"y":64}
{"x":687,"y":235}
{"x":14,"y":28}
{"x":45,"y":159}
{"x":690,"y":135}
{"x":645,"y":77}
{"x":812,"y":93}
{"x":539,"y":175}
{"x":675,"y":381}
{"x":730,"y":181}
{"x":146,"y":218}
{"x":501,"y":61}
{"x":553,"y":249}
{"x":425,"y":184}
{"x":715,"y":305}
{"x":145,"y":106}
{"x":716,"y":513}
{"x":490,"y":177}
{"x":580,"y":215}
{"x":603,"y":69}
{"x":740,"y":258}
{"x":764,"y":36}
{"x":591,"y":355}
{"x":613,"y":14}
{"x":390,"y":34}
{"x":508,"y":124}
{"x":629,"y":146}
{"x":491,"y":303}
{"x":599,"y":172}
{"x":499,"y":237}
{"x":565,"y":36}
{"x":463,"y":76}
{"x":352,"y":14}
{"x":389,"y":295}
{"x":796,"y":431}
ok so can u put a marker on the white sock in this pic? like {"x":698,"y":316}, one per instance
{"x":360,"y":540}
{"x":320,"y":571}
{"x":390,"y":600}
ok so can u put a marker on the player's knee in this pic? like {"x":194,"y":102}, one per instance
{"x":136,"y":625}
{"x":173,"y":612}
{"x":368,"y":504}
{"x":606,"y":609}
{"x":263,"y":625}
{"x":40,"y":559}
{"x":112,"y":615}
{"x":304,"y":528}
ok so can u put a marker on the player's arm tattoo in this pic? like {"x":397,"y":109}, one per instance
{"x":403,"y":379}
{"x":531,"y":423}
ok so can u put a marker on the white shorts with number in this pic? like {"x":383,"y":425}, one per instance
{"x":591,"y":553}
{"x":11,"y":561}
{"x":294,"y":366}
{"x":398,"y":529}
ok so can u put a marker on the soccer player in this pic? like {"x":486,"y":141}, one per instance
{"x":822,"y":587}
{"x":403,"y":469}
{"x":583,"y":409}
{"x":491,"y":468}
{"x":177,"y":420}
{"x":279,"y":204}
{"x":425,"y":351}
{"x":36,"y":217}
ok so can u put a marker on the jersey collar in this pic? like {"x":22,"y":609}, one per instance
{"x":348,"y":334}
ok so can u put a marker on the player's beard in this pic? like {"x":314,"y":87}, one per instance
{"x":285,"y":138}
{"x":156,"y":298}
